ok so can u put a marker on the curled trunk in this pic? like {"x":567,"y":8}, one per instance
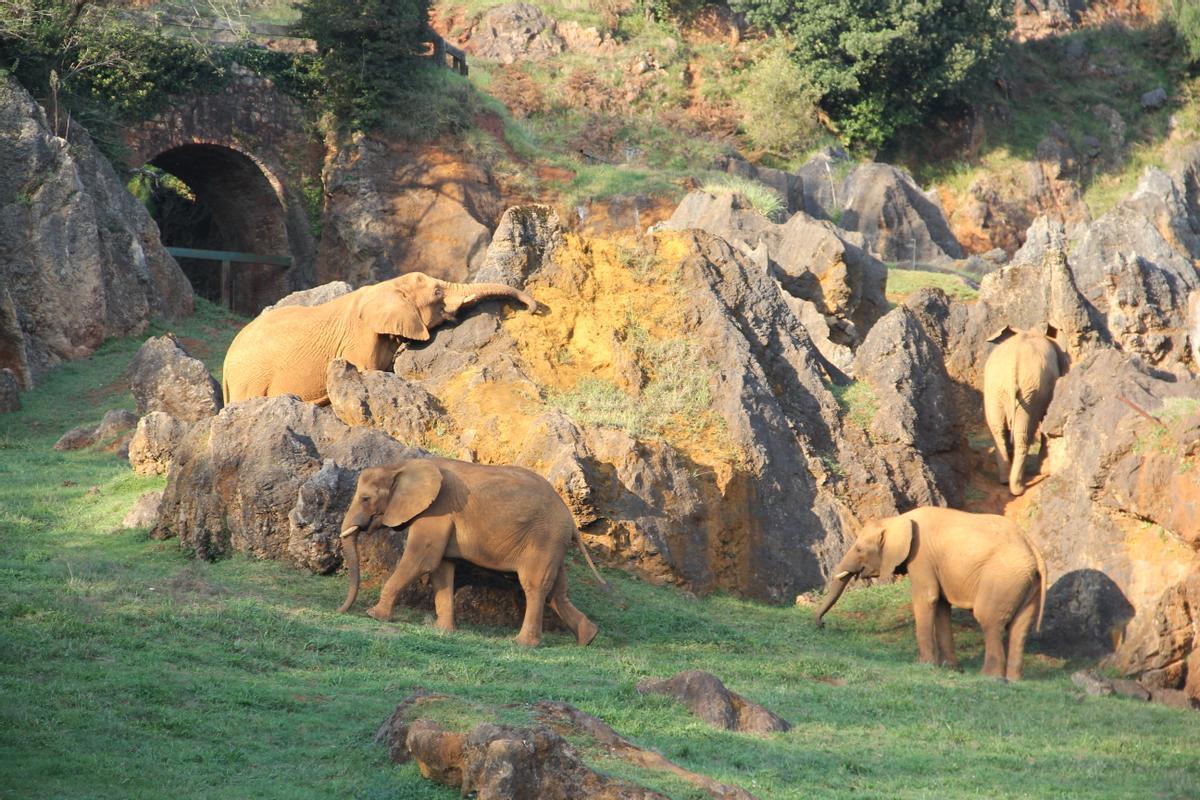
{"x":833,"y":592}
{"x":350,"y":552}
{"x":469,"y":293}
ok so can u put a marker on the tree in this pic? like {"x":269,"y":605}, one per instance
{"x":365,"y":48}
{"x":879,"y":65}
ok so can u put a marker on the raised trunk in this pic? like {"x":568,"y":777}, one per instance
{"x":350,"y":551}
{"x":833,"y":592}
{"x":465,"y":294}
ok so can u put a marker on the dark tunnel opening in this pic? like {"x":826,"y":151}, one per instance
{"x":214,"y":198}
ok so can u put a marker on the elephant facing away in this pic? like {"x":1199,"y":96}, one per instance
{"x":287,"y":350}
{"x":1018,"y":383}
{"x":497,"y":517}
{"x":953,"y":558}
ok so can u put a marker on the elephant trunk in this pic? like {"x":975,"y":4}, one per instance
{"x":350,"y":550}
{"x":465,"y":294}
{"x":833,"y":592}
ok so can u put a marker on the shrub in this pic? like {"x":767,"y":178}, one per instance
{"x":367,"y":49}
{"x":762,"y":198}
{"x":778,"y":108}
{"x":879,"y":65}
{"x":1185,"y":16}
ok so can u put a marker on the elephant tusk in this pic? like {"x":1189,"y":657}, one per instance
{"x":841,"y":576}
{"x":350,"y":531}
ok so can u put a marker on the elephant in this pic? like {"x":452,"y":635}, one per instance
{"x":497,"y":517}
{"x":981,"y":562}
{"x":1018,"y":382}
{"x":287,"y":350}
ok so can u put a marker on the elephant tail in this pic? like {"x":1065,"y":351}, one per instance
{"x":588,"y":558}
{"x":1041,"y":568}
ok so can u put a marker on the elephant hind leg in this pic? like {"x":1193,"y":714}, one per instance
{"x":584,"y":629}
{"x":993,"y":625}
{"x":944,"y":634}
{"x":1021,"y":434}
{"x":536,"y":583}
{"x":1017,"y":632}
{"x":994,"y":412}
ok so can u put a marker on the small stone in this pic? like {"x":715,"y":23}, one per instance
{"x":114,"y":423}
{"x":1092,"y":683}
{"x":1154,"y":99}
{"x":1131,"y":689}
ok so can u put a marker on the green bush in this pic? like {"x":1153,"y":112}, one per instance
{"x":880,"y":65}
{"x":778,"y":107}
{"x":1185,"y":16}
{"x":367,"y":49}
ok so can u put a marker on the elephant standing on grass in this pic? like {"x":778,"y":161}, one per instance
{"x":287,"y":350}
{"x":1018,"y":383}
{"x":978,"y":561}
{"x":498,"y":517}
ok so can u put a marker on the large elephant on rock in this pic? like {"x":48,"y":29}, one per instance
{"x":1018,"y":383}
{"x":497,"y":517}
{"x":953,"y":558}
{"x":287,"y":350}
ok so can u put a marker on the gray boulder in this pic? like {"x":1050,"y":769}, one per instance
{"x":515,"y":32}
{"x":154,"y":443}
{"x":163,"y":377}
{"x":83,"y":258}
{"x":1154,"y":99}
{"x":525,"y":237}
{"x":236,"y":478}
{"x":706,"y":696}
{"x":382,"y":400}
{"x":898,"y":221}
{"x":314,"y":296}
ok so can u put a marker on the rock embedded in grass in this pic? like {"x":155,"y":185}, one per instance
{"x":707,"y":697}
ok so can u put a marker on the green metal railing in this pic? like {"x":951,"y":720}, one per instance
{"x":228,"y":258}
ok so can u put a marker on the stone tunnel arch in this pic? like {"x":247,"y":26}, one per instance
{"x":240,"y":207}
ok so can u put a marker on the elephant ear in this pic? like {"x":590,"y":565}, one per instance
{"x":897,"y":544}
{"x":1002,"y":334}
{"x":393,"y":313}
{"x":416,"y":487}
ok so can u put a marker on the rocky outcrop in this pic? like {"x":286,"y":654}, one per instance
{"x":898,"y":221}
{"x":144,"y":513}
{"x":110,"y":431}
{"x":83,"y":261}
{"x":163,"y":377}
{"x":383,"y":400}
{"x":272,"y":477}
{"x":525,"y":238}
{"x":314,"y":296}
{"x":706,"y":696}
{"x":515,"y":31}
{"x":814,"y":262}
{"x":154,"y":443}
{"x":512,"y":762}
{"x":404,"y":207}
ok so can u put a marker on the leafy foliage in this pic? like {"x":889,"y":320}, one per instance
{"x":1185,"y":16}
{"x":778,"y":105}
{"x":366,"y":48}
{"x":880,"y":65}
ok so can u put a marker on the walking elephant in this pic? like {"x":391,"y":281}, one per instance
{"x":287,"y":350}
{"x":978,"y":561}
{"x":1018,"y":382}
{"x":497,"y":517}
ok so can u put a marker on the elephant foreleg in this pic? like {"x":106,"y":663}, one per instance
{"x":945,"y":636}
{"x":923,"y":615}
{"x":422,"y":555}
{"x":584,"y":629}
{"x":443,"y":595}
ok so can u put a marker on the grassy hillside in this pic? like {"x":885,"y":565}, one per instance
{"x":128,"y":670}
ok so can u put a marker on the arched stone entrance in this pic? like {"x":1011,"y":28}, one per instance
{"x":236,"y":204}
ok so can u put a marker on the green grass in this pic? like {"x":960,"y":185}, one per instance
{"x":859,"y":402}
{"x":903,"y":282}
{"x":128,"y":670}
{"x":762,"y":198}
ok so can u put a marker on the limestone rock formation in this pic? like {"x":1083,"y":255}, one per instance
{"x":272,"y":477}
{"x":525,"y":237}
{"x":112,"y":425}
{"x":515,"y":31}
{"x":83,"y":260}
{"x":163,"y":377}
{"x":382,"y":400}
{"x":314,"y":296}
{"x":512,"y":762}
{"x":154,"y":443}
{"x":144,"y":513}
{"x":394,"y":208}
{"x":706,"y":696}
{"x":898,"y":221}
